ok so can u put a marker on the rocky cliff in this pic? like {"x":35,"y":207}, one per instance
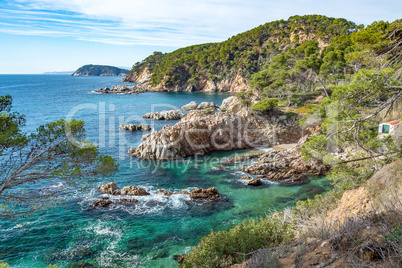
{"x":99,"y":70}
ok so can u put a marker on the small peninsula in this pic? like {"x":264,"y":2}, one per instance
{"x":99,"y":70}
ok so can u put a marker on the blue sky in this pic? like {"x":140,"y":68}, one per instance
{"x":61,"y":35}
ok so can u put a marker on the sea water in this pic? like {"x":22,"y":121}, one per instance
{"x":149,"y":233}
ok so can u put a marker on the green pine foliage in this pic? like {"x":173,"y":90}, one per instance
{"x":248,"y":54}
{"x":265,"y":105}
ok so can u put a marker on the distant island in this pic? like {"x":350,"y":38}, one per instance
{"x":59,"y":73}
{"x":99,"y":70}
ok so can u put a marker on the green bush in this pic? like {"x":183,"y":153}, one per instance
{"x":4,"y":265}
{"x":265,"y":105}
{"x":223,"y":248}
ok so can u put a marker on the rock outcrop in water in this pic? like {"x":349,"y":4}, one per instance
{"x":165,"y":115}
{"x":111,"y":188}
{"x":126,"y":89}
{"x":205,"y":194}
{"x":200,"y":133}
{"x":254,"y":182}
{"x":164,"y":192}
{"x":104,"y":202}
{"x":133,"y":190}
{"x":133,"y":127}
{"x":121,"y":196}
{"x":108,"y":188}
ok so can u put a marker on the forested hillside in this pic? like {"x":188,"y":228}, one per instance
{"x":248,"y":59}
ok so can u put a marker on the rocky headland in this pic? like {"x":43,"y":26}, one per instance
{"x":234,"y":127}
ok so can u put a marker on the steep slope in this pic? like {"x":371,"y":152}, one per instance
{"x":99,"y":70}
{"x":229,"y":65}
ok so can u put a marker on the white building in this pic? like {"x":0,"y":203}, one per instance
{"x":388,"y":127}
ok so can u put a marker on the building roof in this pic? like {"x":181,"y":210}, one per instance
{"x":393,"y":122}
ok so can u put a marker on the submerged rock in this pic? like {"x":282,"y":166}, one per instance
{"x":183,"y":192}
{"x":164,"y":192}
{"x":165,"y":115}
{"x":126,"y":201}
{"x":205,"y":194}
{"x":179,"y":258}
{"x":104,"y":202}
{"x":82,"y":264}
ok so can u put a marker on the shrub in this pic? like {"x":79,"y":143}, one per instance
{"x":4,"y":265}
{"x":307,"y":108}
{"x":223,"y":248}
{"x":265,"y":105}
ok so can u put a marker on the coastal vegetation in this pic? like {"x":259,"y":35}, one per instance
{"x":266,"y":57}
{"x":265,"y":105}
{"x":361,"y":84}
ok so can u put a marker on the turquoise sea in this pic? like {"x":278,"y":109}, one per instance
{"x":144,"y":235}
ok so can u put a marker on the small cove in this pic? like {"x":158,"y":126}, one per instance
{"x":145,"y":235}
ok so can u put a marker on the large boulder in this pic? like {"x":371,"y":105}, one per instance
{"x":226,"y":103}
{"x":207,"y":105}
{"x":190,"y":106}
{"x":133,"y":190}
{"x":205,"y":194}
{"x":108,"y":188}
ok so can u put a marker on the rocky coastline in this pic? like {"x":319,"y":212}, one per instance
{"x":125,"y":89}
{"x":233,"y":127}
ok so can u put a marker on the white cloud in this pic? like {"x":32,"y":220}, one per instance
{"x":171,"y":22}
